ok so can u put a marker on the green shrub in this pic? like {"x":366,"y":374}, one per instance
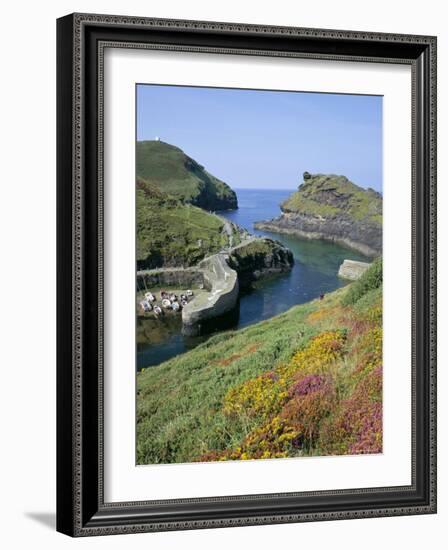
{"x":370,"y":300}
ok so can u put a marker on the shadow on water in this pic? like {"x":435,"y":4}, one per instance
{"x":314,"y":272}
{"x":160,"y":339}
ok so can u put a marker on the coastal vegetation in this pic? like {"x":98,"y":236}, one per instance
{"x":306,"y":382}
{"x":173,"y":233}
{"x":175,"y":173}
{"x":330,"y":195}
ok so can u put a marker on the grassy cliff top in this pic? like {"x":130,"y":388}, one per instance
{"x":174,"y":172}
{"x":330,"y":195}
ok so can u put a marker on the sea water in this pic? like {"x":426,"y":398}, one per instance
{"x":314,"y":273}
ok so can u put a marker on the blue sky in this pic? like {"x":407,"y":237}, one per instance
{"x":264,"y":139}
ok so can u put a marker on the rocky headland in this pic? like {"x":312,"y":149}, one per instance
{"x":332,"y":208}
{"x":180,"y":176}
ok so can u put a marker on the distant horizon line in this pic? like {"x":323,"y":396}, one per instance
{"x":284,"y":188}
{"x":157,"y":139}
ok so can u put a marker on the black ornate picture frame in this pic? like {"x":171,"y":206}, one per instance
{"x":81,"y":509}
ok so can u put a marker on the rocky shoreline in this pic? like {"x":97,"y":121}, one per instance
{"x":314,"y":229}
{"x":332,"y":208}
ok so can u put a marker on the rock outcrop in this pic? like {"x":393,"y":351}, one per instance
{"x":332,"y":208}
{"x":258,"y":258}
{"x":352,"y":269}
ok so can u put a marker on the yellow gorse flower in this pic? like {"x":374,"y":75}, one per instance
{"x":272,"y":440}
{"x":315,"y":358}
{"x":264,"y":395}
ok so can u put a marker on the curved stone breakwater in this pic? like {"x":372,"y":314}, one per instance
{"x":219,"y":275}
{"x":222,"y":282}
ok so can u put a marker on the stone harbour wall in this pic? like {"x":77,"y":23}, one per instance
{"x":222,"y":297}
{"x":170,"y":277}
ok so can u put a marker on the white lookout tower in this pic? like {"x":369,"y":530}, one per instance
{"x":157,"y":138}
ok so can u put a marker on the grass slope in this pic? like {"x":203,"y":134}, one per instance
{"x":331,"y":195}
{"x":171,"y":233}
{"x":175,"y":173}
{"x":303,"y":383}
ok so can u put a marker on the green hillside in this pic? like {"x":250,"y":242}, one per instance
{"x":171,"y":233}
{"x":306,"y":382}
{"x":177,"y":174}
{"x":333,"y":196}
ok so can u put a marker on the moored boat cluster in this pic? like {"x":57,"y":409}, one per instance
{"x":167,"y":301}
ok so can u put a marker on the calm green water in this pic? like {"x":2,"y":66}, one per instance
{"x":314,"y":272}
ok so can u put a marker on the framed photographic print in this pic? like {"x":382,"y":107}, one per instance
{"x":246,"y":274}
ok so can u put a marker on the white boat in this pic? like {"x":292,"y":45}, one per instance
{"x":157,"y":310}
{"x":189,"y":293}
{"x":145,"y":306}
{"x":166,"y":303}
{"x":175,"y":306}
{"x":150,"y":296}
